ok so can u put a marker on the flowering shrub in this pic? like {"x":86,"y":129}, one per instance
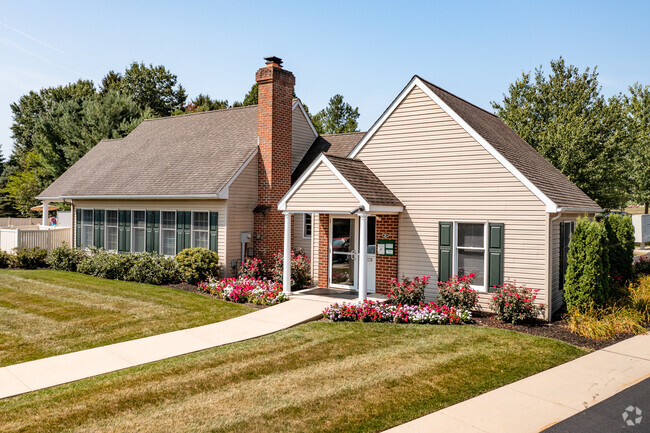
{"x":252,"y":268}
{"x":377,"y":311}
{"x":244,"y":289}
{"x":515,"y":304}
{"x":407,"y":292}
{"x":642,"y":266}
{"x":300,"y":269}
{"x":456,"y":292}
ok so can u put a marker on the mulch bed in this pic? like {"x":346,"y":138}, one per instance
{"x":557,"y":330}
{"x":187,"y":287}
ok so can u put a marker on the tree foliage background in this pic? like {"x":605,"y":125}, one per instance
{"x":600,"y":144}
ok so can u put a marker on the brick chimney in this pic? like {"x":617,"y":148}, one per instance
{"x":274,"y":123}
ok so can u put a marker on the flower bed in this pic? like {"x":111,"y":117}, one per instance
{"x":244,"y":289}
{"x":377,"y":311}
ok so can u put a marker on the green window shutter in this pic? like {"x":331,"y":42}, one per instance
{"x":124,"y":231}
{"x":98,"y":238}
{"x":153,"y":231}
{"x":495,"y":255}
{"x":214,"y":227}
{"x":78,"y":228}
{"x":445,"y":240}
{"x":183,"y":230}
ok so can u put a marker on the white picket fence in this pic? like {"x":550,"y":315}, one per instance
{"x":29,"y":237}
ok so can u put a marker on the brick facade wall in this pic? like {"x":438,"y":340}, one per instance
{"x":274,"y":126}
{"x":322,"y":250}
{"x":386,"y":265}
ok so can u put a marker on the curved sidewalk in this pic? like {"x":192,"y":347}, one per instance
{"x":56,"y":370}
{"x":540,"y":401}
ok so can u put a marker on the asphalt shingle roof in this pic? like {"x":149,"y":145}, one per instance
{"x":190,"y":154}
{"x":364,"y":181}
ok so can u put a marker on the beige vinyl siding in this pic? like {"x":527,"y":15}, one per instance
{"x":182,"y":205}
{"x":302,"y":137}
{"x":322,"y":190}
{"x":242,"y":199}
{"x":441,"y":173}
{"x":300,"y":242}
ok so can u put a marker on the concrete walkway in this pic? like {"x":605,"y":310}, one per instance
{"x":539,"y":401}
{"x":56,"y":370}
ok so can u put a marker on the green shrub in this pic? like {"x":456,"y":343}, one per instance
{"x":105,"y":264}
{"x":6,"y":259}
{"x":152,"y":268}
{"x":63,"y":258}
{"x":300,"y":269}
{"x":587,"y":277}
{"x":515,"y":304}
{"x":457,"y":292}
{"x":407,"y":292}
{"x":252,"y":268}
{"x":198,"y":264}
{"x":31,"y":258}
{"x":620,"y":236}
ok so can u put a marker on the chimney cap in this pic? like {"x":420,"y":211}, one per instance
{"x":273,"y":59}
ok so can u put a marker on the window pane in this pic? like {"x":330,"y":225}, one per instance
{"x":168,"y":238}
{"x":139,"y":218}
{"x":138,"y":240}
{"x":471,"y":235}
{"x":87,"y":217}
{"x":111,"y":238}
{"x":169,"y":220}
{"x":307,"y":226}
{"x":200,"y":239}
{"x":111,"y":217}
{"x":472,"y":262}
{"x":200,"y":221}
{"x":87,"y":235}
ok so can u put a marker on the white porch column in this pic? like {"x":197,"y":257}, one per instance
{"x":363,"y":256}
{"x":286,"y":276}
{"x":45,"y":221}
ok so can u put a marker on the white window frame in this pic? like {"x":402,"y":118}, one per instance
{"x":133,"y":229}
{"x":482,"y":288}
{"x":160,"y":241}
{"x":117,"y":228}
{"x":192,"y":229}
{"x":304,"y":225}
{"x":92,"y":232}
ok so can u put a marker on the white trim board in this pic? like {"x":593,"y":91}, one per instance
{"x":551,"y":207}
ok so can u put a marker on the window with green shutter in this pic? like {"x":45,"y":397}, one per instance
{"x":183,"y":230}
{"x":153,"y":231}
{"x":124,"y":231}
{"x":445,"y":239}
{"x":98,"y":238}
{"x":214,"y":228}
{"x":495,"y":255}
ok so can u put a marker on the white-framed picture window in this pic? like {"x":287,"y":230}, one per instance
{"x":87,"y":227}
{"x":470,"y":247}
{"x":201,"y":229}
{"x":168,"y":233}
{"x":138,"y":230}
{"x":110,"y":243}
{"x":306,"y":225}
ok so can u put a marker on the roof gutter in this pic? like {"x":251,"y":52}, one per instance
{"x":131,"y":197}
{"x":579,"y":209}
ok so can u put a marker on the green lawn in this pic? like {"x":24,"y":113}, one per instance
{"x":318,"y":377}
{"x":45,"y":313}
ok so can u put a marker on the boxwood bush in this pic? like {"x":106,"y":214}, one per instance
{"x":63,"y":258}
{"x":31,"y":258}
{"x":6,"y":259}
{"x":152,"y":268}
{"x":198,"y":264}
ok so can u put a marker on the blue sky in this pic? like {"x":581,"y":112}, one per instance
{"x":365,"y":50}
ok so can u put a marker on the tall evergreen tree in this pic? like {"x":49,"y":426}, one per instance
{"x":637,"y":109}
{"x":566,"y":118}
{"x":337,"y":118}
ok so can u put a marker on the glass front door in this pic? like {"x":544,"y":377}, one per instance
{"x":343,"y":251}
